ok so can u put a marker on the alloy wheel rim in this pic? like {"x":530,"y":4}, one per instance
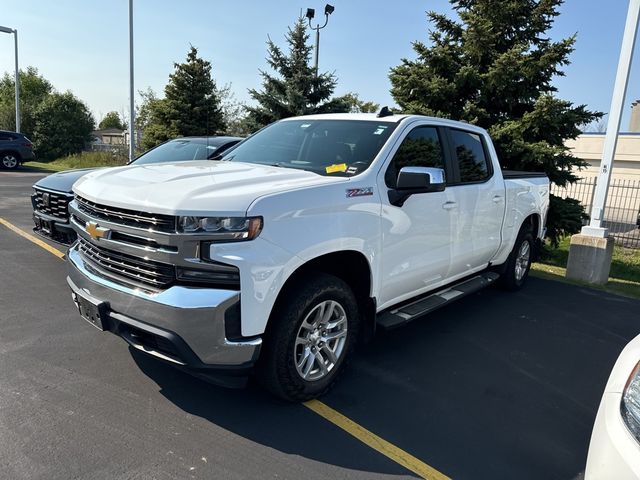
{"x":9,"y":161}
{"x":320,"y":340}
{"x":522,"y":260}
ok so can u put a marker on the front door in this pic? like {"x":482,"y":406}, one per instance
{"x":416,"y":237}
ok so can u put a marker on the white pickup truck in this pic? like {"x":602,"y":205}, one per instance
{"x":299,"y":242}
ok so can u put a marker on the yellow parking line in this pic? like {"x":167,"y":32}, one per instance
{"x":31,"y":238}
{"x":370,"y":439}
{"x":387,"y":449}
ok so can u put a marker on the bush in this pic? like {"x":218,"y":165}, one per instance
{"x":566,"y":217}
{"x":63,"y":126}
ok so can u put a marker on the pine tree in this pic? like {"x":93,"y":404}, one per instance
{"x":191,"y":105}
{"x":494,"y":68}
{"x":294,"y":89}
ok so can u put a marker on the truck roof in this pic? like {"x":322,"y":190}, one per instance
{"x":395,"y":118}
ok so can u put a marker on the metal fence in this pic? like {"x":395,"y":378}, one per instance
{"x":622,"y":210}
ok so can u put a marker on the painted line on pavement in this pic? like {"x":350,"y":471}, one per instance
{"x":31,"y":238}
{"x":372,"y":440}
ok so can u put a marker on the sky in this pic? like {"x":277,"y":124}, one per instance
{"x":82,"y":45}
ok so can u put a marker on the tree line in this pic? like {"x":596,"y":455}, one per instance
{"x":493,"y":66}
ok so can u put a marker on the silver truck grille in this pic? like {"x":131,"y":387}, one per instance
{"x":51,"y":203}
{"x":126,"y":268}
{"x":130,"y":218}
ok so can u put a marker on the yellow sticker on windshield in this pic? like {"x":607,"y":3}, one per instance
{"x":340,"y":167}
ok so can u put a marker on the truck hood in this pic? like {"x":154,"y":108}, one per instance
{"x":62,"y":181}
{"x":192,"y":188}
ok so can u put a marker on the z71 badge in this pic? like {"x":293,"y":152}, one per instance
{"x":359,"y":192}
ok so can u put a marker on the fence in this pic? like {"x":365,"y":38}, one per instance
{"x":622,"y":213}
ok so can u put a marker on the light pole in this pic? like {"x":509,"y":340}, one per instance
{"x":15,"y":33}
{"x":132,"y":113}
{"x":328,"y":10}
{"x":591,"y":251}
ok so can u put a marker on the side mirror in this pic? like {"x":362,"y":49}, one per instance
{"x":413,"y":180}
{"x":421,"y":179}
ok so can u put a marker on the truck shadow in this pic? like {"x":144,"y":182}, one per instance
{"x":497,"y":385}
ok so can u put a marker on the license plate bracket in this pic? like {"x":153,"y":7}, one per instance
{"x":93,"y":311}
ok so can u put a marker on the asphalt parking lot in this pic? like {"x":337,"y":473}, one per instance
{"x":496,"y":386}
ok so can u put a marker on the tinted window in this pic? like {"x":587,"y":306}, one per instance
{"x":472,"y":161}
{"x":326,"y":147}
{"x":5,"y":138}
{"x":420,"y":148}
{"x":176,"y":151}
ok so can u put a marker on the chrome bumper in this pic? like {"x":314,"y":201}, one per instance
{"x":194,"y":317}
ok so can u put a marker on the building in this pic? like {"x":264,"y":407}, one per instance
{"x":589,"y":147}
{"x":109,"y":136}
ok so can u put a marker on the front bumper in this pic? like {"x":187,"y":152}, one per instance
{"x":613,"y":452}
{"x":184,"y":326}
{"x":52,"y":227}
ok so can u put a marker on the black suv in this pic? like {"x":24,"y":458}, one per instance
{"x":15,"y":149}
{"x":52,"y":194}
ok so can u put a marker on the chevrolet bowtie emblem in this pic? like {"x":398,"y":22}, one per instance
{"x":95,"y":231}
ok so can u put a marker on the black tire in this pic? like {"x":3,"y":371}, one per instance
{"x":276,"y":369}
{"x":514,"y":273}
{"x":10,"y":160}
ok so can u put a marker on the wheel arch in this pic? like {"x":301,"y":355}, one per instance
{"x":353,"y":268}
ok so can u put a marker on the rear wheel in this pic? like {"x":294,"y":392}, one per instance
{"x":9,"y":161}
{"x":312,"y":334}
{"x":516,"y":269}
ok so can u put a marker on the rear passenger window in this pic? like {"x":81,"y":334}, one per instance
{"x":472,"y":161}
{"x":420,"y":148}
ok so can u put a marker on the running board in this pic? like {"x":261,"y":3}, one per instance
{"x":399,"y":316}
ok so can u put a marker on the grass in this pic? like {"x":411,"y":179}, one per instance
{"x":624,"y":277}
{"x":79,"y":160}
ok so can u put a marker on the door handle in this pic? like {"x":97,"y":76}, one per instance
{"x":497,"y":198}
{"x":449,"y":205}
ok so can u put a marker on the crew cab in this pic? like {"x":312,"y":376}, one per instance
{"x":300,"y":242}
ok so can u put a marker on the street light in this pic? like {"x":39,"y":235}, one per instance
{"x":132,"y":107}
{"x":328,"y":10}
{"x":591,"y":251}
{"x":15,"y":33}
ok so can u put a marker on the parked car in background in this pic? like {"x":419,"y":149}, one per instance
{"x":304,"y":239}
{"x":614,"y":451}
{"x":52,"y":194}
{"x":15,"y":149}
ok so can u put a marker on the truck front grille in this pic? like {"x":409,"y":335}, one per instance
{"x":52,"y":203}
{"x":130,"y":218}
{"x":126,"y":268}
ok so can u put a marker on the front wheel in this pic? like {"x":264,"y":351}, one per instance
{"x":10,"y":161}
{"x":516,"y":269}
{"x":312,"y":333}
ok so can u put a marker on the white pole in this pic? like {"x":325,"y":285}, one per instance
{"x":595,"y":228}
{"x":131,"y":89}
{"x":15,"y":33}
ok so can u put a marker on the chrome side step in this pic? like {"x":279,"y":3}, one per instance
{"x":397,"y":316}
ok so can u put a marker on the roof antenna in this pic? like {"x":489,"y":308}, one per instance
{"x":384,"y":112}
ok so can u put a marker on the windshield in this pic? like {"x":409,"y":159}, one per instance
{"x":326,"y":147}
{"x":176,"y":151}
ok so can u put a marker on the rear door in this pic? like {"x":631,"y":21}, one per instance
{"x":479,"y":196}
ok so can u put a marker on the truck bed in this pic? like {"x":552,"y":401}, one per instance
{"x":513,"y":174}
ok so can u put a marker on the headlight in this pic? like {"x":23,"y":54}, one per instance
{"x":630,"y":405}
{"x":223,"y":229}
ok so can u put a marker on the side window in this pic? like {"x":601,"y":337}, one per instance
{"x":472,"y":161}
{"x":420,"y":148}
